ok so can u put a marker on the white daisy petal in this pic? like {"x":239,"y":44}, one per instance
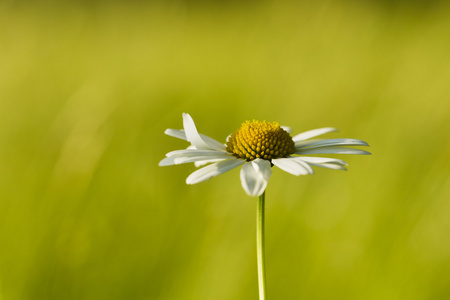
{"x":321,"y":160}
{"x":306,"y":166}
{"x":197,"y":152}
{"x":199,"y":141}
{"x":168,"y":161}
{"x":292,"y":166}
{"x":187,"y":152}
{"x":330,"y":163}
{"x":179,"y":134}
{"x":213,"y":170}
{"x":332,"y":142}
{"x":200,"y":157}
{"x":328,"y":150}
{"x":255,"y":176}
{"x":329,"y":166}
{"x":312,"y":133}
{"x":301,"y":144}
{"x":192,"y":133}
{"x":202,"y":163}
{"x":213,"y":143}
{"x":287,"y":128}
{"x":263,"y":167}
{"x":192,"y":155}
{"x":193,"y":151}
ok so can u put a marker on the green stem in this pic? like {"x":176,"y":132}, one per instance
{"x":260,"y":247}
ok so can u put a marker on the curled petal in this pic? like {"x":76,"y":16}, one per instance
{"x":312,"y":133}
{"x":200,"y":142}
{"x":255,"y":176}
{"x":213,"y":170}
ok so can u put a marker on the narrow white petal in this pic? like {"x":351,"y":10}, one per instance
{"x":255,"y":176}
{"x":312,"y":133}
{"x":193,"y":155}
{"x":187,"y":156}
{"x":321,"y":160}
{"x":287,"y":128}
{"x":202,"y":163}
{"x":192,"y":133}
{"x":213,"y":170}
{"x":329,"y":166}
{"x":183,"y":151}
{"x":199,"y":157}
{"x":292,"y":166}
{"x":335,"y":150}
{"x":301,"y":144}
{"x":202,"y":142}
{"x":168,"y":161}
{"x":179,"y":134}
{"x":213,"y":143}
{"x":195,"y":151}
{"x":331,"y":142}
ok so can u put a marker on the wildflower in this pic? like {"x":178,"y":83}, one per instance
{"x":257,"y":147}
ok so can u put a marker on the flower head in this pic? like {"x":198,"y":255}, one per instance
{"x":260,"y":140}
{"x":257,"y":146}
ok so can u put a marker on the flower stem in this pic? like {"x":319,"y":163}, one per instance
{"x":260,"y":247}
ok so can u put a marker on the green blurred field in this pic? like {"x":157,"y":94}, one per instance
{"x":88,"y":88}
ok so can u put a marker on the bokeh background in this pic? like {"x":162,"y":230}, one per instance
{"x":87,"y":89}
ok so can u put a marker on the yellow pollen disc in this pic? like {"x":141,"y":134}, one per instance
{"x":260,"y":140}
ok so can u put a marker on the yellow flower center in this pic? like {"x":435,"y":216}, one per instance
{"x":260,"y":140}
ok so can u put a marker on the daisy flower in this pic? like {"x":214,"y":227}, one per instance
{"x":257,"y":147}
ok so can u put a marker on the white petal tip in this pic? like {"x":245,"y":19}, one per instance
{"x":191,"y":180}
{"x":166,"y":162}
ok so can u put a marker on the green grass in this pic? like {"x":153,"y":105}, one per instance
{"x":87,"y":90}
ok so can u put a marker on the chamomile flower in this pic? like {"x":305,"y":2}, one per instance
{"x":257,"y":147}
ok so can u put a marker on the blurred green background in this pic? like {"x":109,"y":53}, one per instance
{"x":88,"y":88}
